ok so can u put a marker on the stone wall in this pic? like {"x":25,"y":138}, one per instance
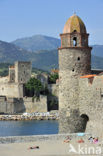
{"x":22,"y":72}
{"x":11,"y":90}
{"x":73,"y":62}
{"x":4,"y":79}
{"x":35,"y":105}
{"x":87,"y":112}
{"x":11,"y":105}
{"x":18,"y":105}
{"x":91,"y":102}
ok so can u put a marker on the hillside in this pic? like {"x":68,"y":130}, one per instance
{"x":97,"y":50}
{"x":42,"y":59}
{"x":37,"y":42}
{"x":40,"y":42}
{"x":10,"y":53}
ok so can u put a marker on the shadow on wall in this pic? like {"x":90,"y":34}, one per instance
{"x":52,"y":102}
{"x":19,"y":106}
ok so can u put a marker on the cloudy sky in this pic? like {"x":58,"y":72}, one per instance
{"x":23,"y":18}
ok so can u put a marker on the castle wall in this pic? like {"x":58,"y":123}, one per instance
{"x":91,"y":102}
{"x":11,"y":105}
{"x":11,"y":90}
{"x":18,"y":105}
{"x":35,"y":105}
{"x":4,"y":79}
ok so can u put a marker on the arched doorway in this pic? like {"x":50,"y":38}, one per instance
{"x":85,"y":119}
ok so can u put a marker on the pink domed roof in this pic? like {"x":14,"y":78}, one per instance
{"x":74,"y":24}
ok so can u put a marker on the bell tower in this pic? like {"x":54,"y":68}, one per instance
{"x":74,"y":61}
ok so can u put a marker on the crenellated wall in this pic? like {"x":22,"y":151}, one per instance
{"x":91,"y":102}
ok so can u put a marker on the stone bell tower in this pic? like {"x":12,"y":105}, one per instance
{"x":74,"y":61}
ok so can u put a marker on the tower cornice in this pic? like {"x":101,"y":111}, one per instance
{"x":75,"y":48}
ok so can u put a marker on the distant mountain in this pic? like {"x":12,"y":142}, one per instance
{"x":41,"y":59}
{"x":40,"y":42}
{"x":44,"y":60}
{"x":10,"y":53}
{"x":97,"y":50}
{"x":37,"y":42}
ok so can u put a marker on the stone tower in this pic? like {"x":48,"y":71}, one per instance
{"x":74,"y":61}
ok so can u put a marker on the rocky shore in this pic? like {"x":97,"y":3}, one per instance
{"x":31,"y":116}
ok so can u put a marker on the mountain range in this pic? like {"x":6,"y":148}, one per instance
{"x":38,"y":42}
{"x":41,"y":51}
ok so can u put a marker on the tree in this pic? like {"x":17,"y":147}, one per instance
{"x":34,"y":87}
{"x":53,"y":78}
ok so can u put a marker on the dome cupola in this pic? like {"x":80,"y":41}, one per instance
{"x":74,"y":24}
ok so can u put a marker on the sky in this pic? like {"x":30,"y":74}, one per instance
{"x":25,"y":18}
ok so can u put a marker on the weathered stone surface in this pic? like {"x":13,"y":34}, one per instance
{"x":80,"y":98}
{"x":26,"y":104}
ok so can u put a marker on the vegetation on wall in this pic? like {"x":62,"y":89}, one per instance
{"x":53,"y":78}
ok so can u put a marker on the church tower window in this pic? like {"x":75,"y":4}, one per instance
{"x":74,"y":41}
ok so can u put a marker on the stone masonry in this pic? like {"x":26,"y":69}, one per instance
{"x":80,"y":92}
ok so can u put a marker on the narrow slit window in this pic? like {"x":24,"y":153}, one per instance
{"x":73,"y":70}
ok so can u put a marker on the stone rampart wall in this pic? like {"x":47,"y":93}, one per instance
{"x":11,"y":90}
{"x":91,"y":102}
{"x":34,"y":105}
{"x":15,"y":105}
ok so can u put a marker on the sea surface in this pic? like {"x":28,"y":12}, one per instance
{"x":34,"y":127}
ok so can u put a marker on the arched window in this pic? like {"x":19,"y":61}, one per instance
{"x":74,"y":31}
{"x":85,"y":117}
{"x":74,"y":41}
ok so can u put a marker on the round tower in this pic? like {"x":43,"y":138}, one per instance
{"x":74,"y":61}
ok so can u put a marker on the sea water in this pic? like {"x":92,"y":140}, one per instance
{"x":34,"y":127}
